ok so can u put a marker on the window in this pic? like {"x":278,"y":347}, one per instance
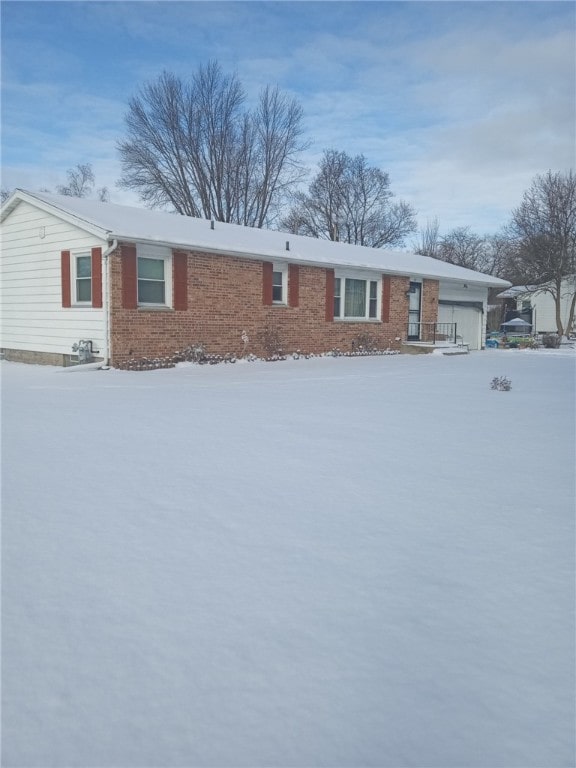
{"x":356,"y":298}
{"x":279,"y":284}
{"x":373,"y":300}
{"x":83,"y":278}
{"x":337,"y":289}
{"x":151,"y":281}
{"x":277,"y":292}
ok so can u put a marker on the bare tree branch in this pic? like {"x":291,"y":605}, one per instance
{"x":544,"y":229}
{"x":349,"y":201}
{"x":80,"y":181}
{"x":193,"y":147}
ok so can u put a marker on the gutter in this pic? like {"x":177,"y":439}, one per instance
{"x":107,"y":313}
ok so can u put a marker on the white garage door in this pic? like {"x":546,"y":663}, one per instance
{"x":468,"y":321}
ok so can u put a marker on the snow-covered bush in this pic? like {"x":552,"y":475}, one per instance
{"x":551,"y":341}
{"x":501,"y":383}
{"x":269,"y":338}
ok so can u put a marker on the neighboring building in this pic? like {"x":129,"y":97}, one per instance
{"x":136,"y":283}
{"x":537,"y":306}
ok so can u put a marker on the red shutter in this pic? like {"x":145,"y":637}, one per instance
{"x":96,"y":277}
{"x":65,"y":278}
{"x":385,"y":299}
{"x":267,"y":269}
{"x":293,"y":285}
{"x":180,"y":279}
{"x":329,"y":295}
{"x":129,"y":277}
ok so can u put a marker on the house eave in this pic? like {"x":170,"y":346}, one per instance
{"x":20,"y":195}
{"x":293,"y":257}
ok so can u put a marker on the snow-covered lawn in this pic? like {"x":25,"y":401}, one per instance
{"x":325,"y":562}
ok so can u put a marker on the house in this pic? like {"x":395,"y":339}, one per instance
{"x":536,"y":305}
{"x":130,"y":282}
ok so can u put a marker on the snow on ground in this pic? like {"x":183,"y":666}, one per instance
{"x":331,"y":562}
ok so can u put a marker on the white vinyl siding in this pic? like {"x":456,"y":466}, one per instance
{"x":544,"y":313}
{"x":33,"y":318}
{"x":544,"y":307}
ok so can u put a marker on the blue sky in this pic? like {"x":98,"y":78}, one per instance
{"x":462,"y":103}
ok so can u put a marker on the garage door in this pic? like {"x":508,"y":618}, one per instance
{"x":468,"y":321}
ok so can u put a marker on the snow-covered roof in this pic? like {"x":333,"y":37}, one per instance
{"x":516,"y":290}
{"x":137,"y":225}
{"x":516,"y":321}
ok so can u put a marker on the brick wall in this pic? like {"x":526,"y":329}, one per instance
{"x":225,"y":299}
{"x":430,"y":290}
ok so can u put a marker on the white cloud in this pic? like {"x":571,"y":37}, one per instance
{"x":462,"y":103}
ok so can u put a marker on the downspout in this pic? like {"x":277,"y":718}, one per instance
{"x":107,"y":313}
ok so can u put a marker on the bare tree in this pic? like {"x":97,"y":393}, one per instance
{"x":544,"y":229}
{"x":81,"y":183}
{"x":195,"y":148}
{"x":462,"y":248}
{"x":499,"y":258}
{"x":351,"y":202}
{"x":491,"y":254}
{"x":429,"y":237}
{"x":4,"y":194}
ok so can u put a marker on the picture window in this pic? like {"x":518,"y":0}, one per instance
{"x":356,"y":298}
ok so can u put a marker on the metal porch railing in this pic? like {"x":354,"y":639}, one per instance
{"x":432,"y":333}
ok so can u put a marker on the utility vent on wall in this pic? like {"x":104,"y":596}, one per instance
{"x":83,"y":349}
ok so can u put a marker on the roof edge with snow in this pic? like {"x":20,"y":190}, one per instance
{"x":110,"y":221}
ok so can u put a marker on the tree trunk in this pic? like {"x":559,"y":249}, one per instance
{"x":570,"y":324}
{"x":558,"y":304}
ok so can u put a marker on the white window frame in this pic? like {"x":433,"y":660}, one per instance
{"x":157,"y":253}
{"x":74,"y":256}
{"x":283,"y":269}
{"x":367,"y":278}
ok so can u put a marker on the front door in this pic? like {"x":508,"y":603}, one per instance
{"x":414,"y":311}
